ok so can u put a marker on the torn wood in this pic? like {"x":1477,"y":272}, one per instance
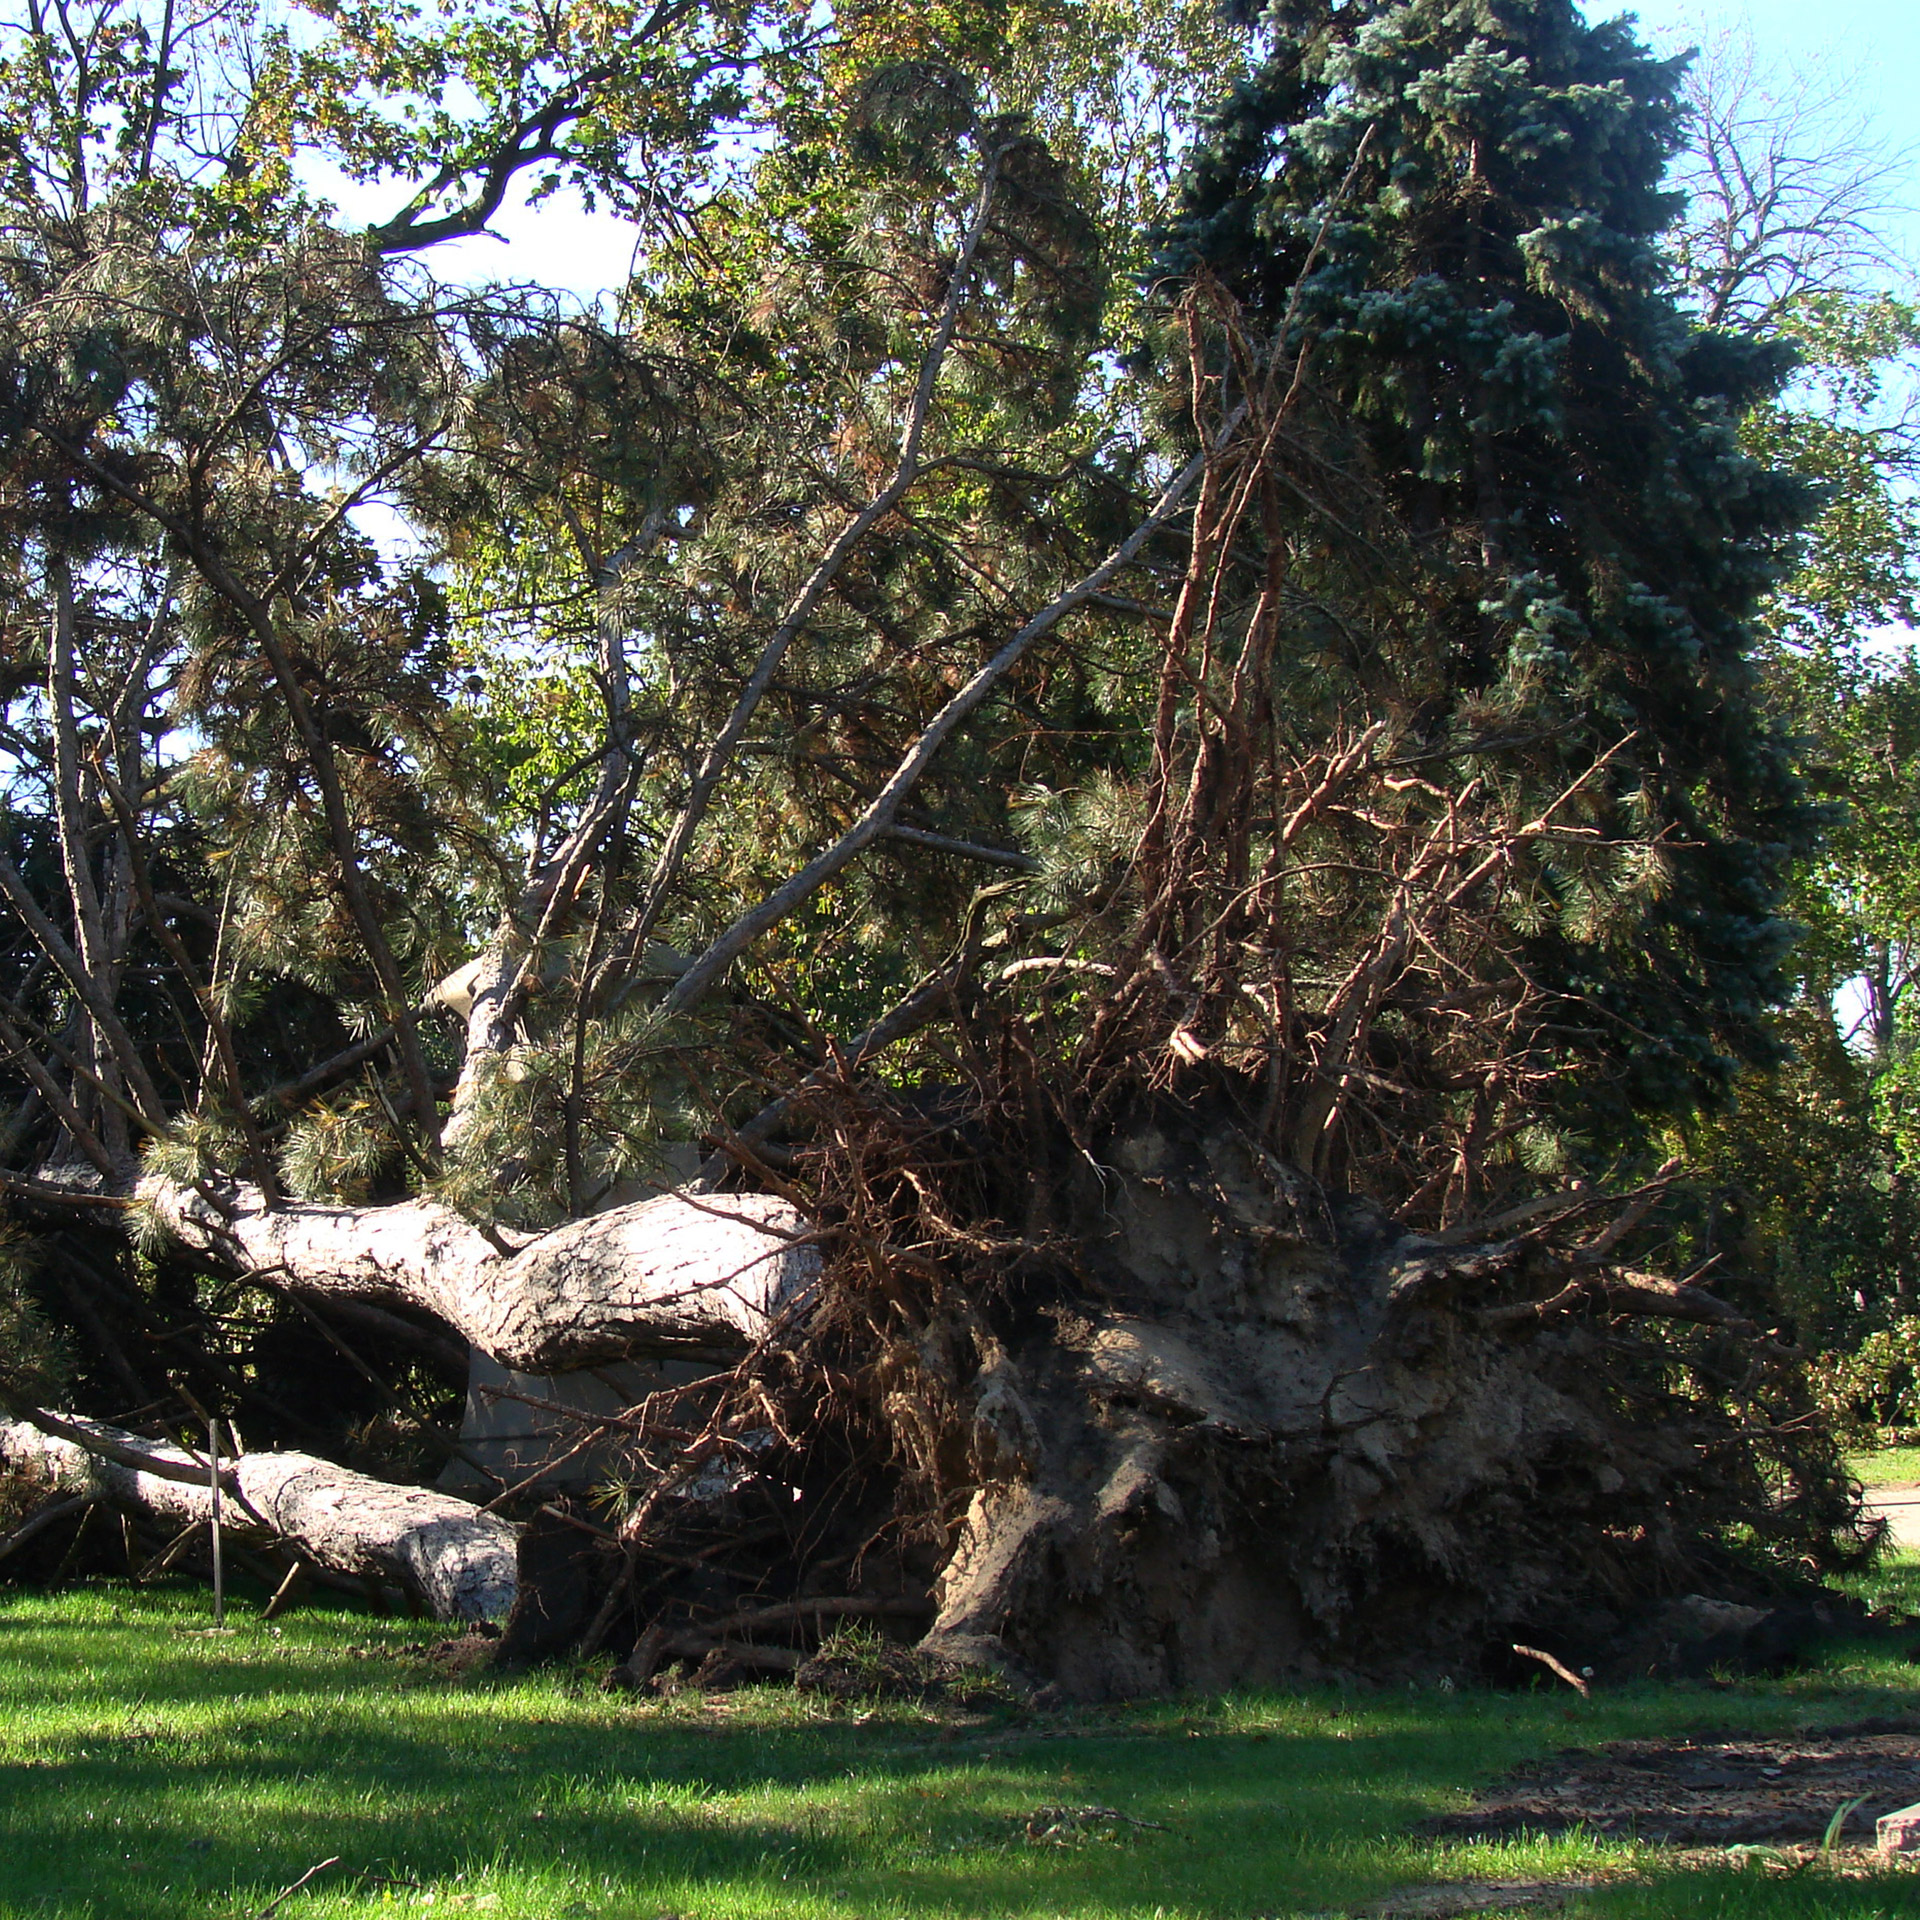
{"x":1558,"y":1668}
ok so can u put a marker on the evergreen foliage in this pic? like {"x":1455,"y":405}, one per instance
{"x":1455,"y":212}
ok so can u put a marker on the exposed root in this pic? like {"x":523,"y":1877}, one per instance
{"x":1243,"y":1433}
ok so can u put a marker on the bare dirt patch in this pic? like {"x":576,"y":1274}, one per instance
{"x":1460,"y":1897}
{"x":1713,"y":1790}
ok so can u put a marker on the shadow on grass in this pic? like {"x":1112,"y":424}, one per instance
{"x":149,"y":1771}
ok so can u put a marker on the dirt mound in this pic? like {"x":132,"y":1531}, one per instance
{"x":850,"y":1668}
{"x":1713,"y":1790}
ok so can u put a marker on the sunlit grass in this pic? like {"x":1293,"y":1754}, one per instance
{"x":1890,"y":1466}
{"x":148,"y":1768}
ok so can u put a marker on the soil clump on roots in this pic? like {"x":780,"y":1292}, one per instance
{"x":1228,"y":1430}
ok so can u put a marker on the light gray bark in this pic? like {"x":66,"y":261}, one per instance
{"x":458,"y":1562}
{"x":677,"y":1270}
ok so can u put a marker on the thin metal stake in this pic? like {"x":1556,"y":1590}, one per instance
{"x":219,"y":1571}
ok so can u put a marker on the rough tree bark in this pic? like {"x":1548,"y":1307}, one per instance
{"x":444,"y":1554}
{"x":676,"y":1270}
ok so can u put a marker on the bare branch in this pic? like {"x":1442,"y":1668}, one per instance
{"x":692,"y":985}
{"x":720,"y":752}
{"x":1790,"y":190}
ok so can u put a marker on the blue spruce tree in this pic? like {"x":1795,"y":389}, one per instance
{"x":1453,"y":210}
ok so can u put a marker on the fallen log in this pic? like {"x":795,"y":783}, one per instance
{"x":677,"y":1270}
{"x":455,"y":1561}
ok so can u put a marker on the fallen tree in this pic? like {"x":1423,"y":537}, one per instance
{"x":453,"y":1561}
{"x":1239,"y":1239}
{"x":1257,"y":1435}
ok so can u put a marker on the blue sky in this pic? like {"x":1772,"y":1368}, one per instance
{"x":1881,"y":38}
{"x":1871,"y":46}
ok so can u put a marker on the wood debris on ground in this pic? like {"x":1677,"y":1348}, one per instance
{"x":1711,"y":1790}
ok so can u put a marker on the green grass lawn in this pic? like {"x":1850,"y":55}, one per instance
{"x":1891,"y":1466}
{"x":151,"y":1770}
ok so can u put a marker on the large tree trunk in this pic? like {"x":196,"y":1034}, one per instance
{"x":674,"y":1271}
{"x":444,"y":1554}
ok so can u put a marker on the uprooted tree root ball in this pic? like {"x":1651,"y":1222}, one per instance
{"x":1239,"y":1436}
